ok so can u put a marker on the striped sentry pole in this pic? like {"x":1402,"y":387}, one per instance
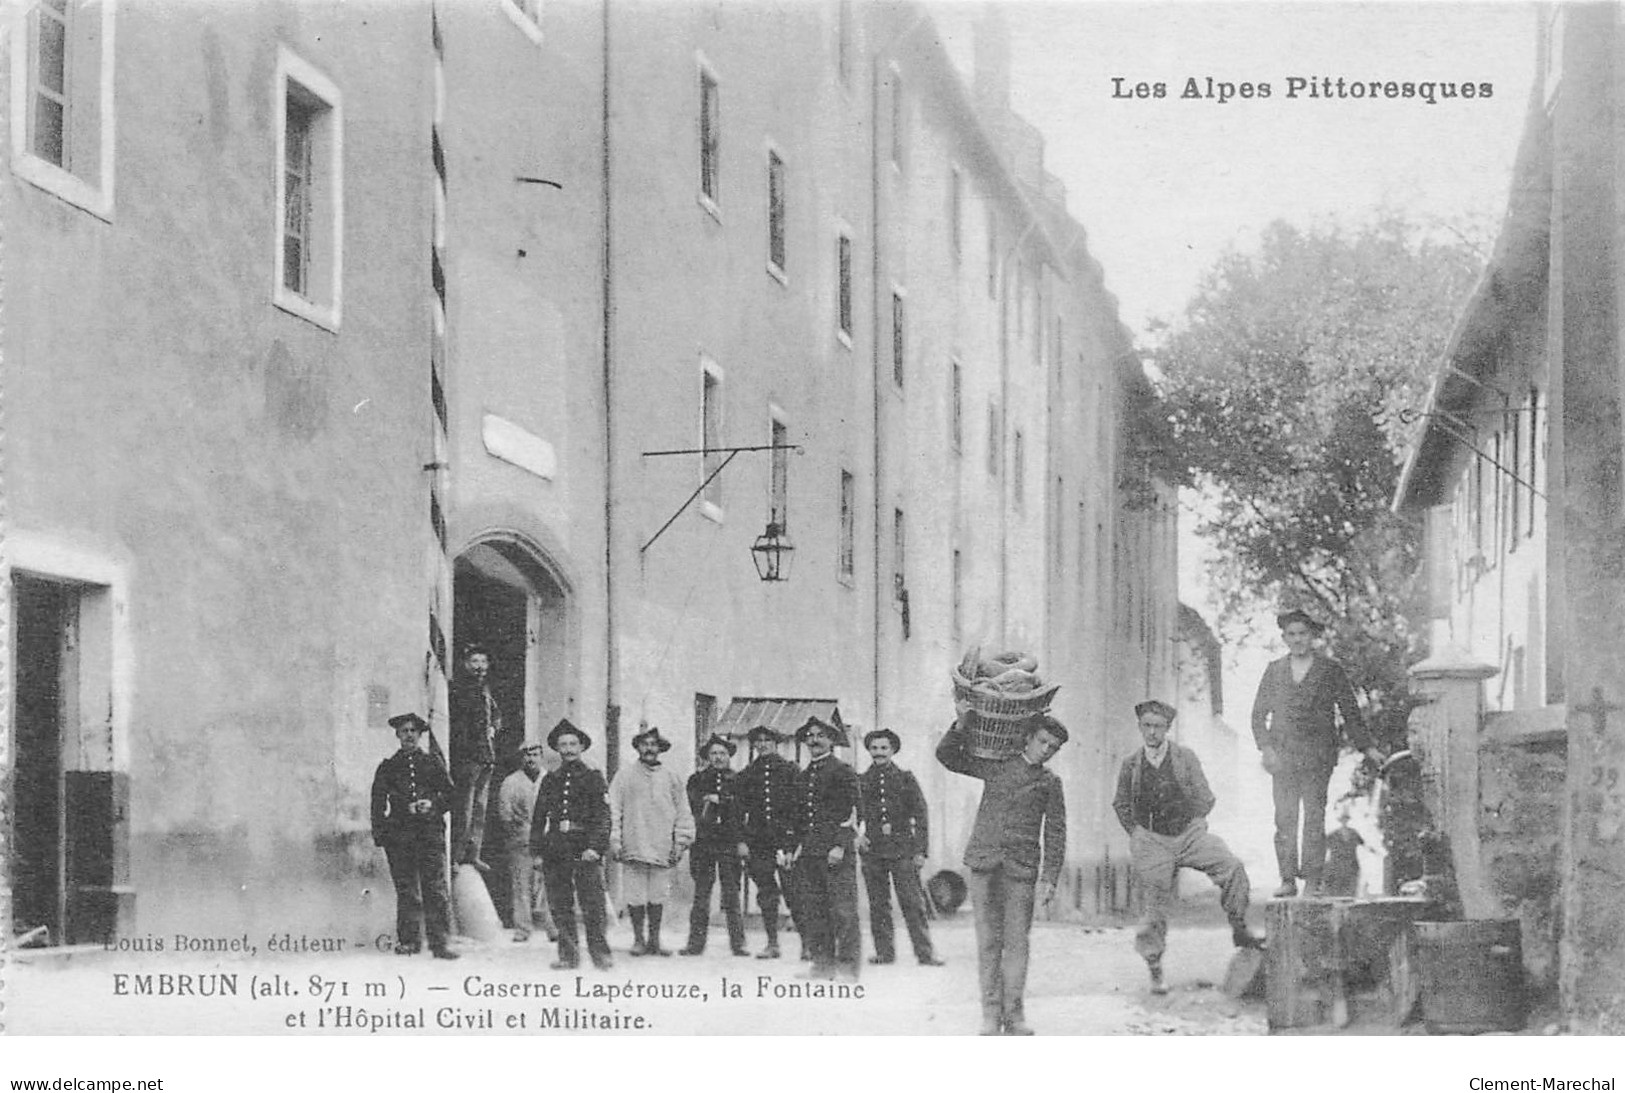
{"x":437,"y":661}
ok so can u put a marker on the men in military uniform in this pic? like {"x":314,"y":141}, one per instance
{"x":766,"y":793}
{"x":1162,"y":801}
{"x":516,"y":802}
{"x":826,"y":859}
{"x":894,"y":841}
{"x":475,"y":723}
{"x":650,"y":827}
{"x":1301,"y":699}
{"x":410,"y":795}
{"x":1014,"y":855}
{"x":712,"y":858}
{"x":569,"y":831}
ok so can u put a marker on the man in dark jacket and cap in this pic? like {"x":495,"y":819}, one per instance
{"x":713,"y":860}
{"x":411,"y":793}
{"x":1162,"y":801}
{"x":895,"y":838}
{"x":569,"y":832}
{"x":766,"y":796}
{"x":1304,"y":709}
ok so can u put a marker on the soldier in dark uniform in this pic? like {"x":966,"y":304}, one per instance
{"x":411,"y":793}
{"x":475,"y":724}
{"x":766,"y":796}
{"x":713,"y":856}
{"x":826,"y":857}
{"x":569,"y":832}
{"x":895,"y":838}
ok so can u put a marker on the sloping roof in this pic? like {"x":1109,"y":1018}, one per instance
{"x":785,"y":716}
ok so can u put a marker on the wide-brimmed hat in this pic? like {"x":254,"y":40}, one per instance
{"x":713,"y":740}
{"x":408,"y":721}
{"x":1286,"y":618}
{"x":564,"y":726}
{"x":1156,"y":706}
{"x":652,"y":733}
{"x":836,"y":736}
{"x":762,"y":732}
{"x":883,"y":734}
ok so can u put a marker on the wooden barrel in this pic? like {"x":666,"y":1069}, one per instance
{"x":1471,"y":975}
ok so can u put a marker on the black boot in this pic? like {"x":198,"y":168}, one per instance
{"x":639,"y":946}
{"x":655,"y":911}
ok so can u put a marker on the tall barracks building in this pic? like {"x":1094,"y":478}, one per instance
{"x":230,"y":234}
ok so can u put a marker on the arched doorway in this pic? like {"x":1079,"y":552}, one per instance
{"x":509,"y":598}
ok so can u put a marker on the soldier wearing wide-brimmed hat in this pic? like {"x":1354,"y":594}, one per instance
{"x":1304,"y":710}
{"x":569,"y":832}
{"x":650,"y":828}
{"x":411,"y":793}
{"x":827,"y":797}
{"x":712,"y":859}
{"x":895,"y":838}
{"x":766,"y":794}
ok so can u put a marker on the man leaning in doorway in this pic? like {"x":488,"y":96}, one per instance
{"x":516,"y":801}
{"x":1301,"y":700}
{"x":1162,"y":801}
{"x":650,"y":828}
{"x":475,"y":724}
{"x":410,"y":795}
{"x":1016,"y":848}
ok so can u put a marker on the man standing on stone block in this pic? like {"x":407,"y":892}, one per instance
{"x":1302,"y":699}
{"x":1162,"y":801}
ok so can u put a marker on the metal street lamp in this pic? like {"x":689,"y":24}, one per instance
{"x":772,"y":553}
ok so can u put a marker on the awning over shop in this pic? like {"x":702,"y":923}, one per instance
{"x":785,"y":716}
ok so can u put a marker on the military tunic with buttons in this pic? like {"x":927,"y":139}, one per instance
{"x":413,"y":843}
{"x":572,"y":817}
{"x":827,"y":805}
{"x":713,"y":857}
{"x":765,"y":795}
{"x":898,"y":830}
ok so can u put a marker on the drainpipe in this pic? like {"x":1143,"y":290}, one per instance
{"x":1004,"y":427}
{"x":612,"y":707}
{"x":879,"y":313}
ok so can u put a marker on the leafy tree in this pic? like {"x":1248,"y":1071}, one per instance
{"x":1283,"y":398}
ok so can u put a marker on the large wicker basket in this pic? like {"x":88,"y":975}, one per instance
{"x":999,"y":728}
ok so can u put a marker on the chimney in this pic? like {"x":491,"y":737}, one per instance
{"x":992,"y":75}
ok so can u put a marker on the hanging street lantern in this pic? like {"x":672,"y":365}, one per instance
{"x":772,"y":553}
